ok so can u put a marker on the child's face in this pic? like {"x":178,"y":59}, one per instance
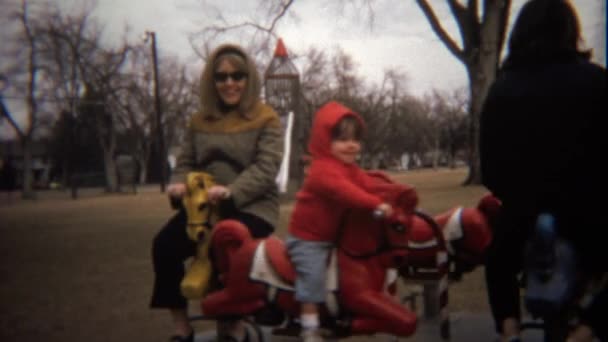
{"x":346,"y":149}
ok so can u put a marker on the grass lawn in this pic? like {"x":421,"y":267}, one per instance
{"x":80,"y":270}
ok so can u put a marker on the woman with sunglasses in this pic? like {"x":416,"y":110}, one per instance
{"x":238,"y":140}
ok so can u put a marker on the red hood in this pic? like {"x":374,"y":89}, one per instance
{"x":325,"y":119}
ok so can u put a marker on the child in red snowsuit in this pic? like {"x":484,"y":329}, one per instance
{"x":333,"y":185}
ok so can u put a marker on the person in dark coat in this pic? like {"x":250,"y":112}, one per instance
{"x":540,"y":152}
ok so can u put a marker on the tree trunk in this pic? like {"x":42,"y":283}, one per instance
{"x":477,"y":84}
{"x":452,"y":156}
{"x":481,"y":77}
{"x":110,"y":171}
{"x":482,"y":70}
{"x":436,"y":150}
{"x":28,"y":176}
{"x":64,"y":174}
{"x":143,"y":170}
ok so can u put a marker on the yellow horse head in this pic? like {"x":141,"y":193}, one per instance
{"x":202,"y":216}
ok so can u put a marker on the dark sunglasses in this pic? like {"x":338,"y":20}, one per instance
{"x":235,"y":76}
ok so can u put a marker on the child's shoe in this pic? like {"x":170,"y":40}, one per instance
{"x":311,"y":335}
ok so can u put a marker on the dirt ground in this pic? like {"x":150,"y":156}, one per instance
{"x":80,"y":270}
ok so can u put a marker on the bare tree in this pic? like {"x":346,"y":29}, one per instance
{"x":384,"y":113}
{"x":71,"y":72}
{"x":137,"y":106}
{"x":412,"y":127}
{"x":179,"y":96}
{"x":24,"y":73}
{"x":82,"y":67}
{"x":256,"y":33}
{"x":67,"y":41}
{"x":450,"y":120}
{"x":482,"y":42}
{"x":315,"y":87}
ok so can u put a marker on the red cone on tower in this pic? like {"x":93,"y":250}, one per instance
{"x":282,"y":81}
{"x":280,"y":50}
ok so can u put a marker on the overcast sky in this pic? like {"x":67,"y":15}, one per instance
{"x":399,"y":37}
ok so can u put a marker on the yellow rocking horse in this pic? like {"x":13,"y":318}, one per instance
{"x":202,"y":216}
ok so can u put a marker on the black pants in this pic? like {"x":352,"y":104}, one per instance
{"x":595,"y":315}
{"x":171,"y":247}
{"x":504,"y":262}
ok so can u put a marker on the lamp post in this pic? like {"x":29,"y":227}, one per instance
{"x":159,"y":128}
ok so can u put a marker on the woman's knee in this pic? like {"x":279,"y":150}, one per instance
{"x":257,"y":226}
{"x":172,"y":243}
{"x":161,"y":247}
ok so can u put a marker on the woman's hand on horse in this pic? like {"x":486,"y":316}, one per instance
{"x":217,"y":193}
{"x":176,"y":190}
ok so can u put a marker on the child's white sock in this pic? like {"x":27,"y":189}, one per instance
{"x":309,"y":321}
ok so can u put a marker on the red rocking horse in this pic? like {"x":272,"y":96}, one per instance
{"x":258,"y":277}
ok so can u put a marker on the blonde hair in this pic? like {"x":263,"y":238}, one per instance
{"x":237,"y":57}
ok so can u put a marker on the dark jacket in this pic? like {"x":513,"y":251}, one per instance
{"x":541,"y":138}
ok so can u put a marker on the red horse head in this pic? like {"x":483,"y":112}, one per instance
{"x":463,"y":233}
{"x":363,"y":234}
